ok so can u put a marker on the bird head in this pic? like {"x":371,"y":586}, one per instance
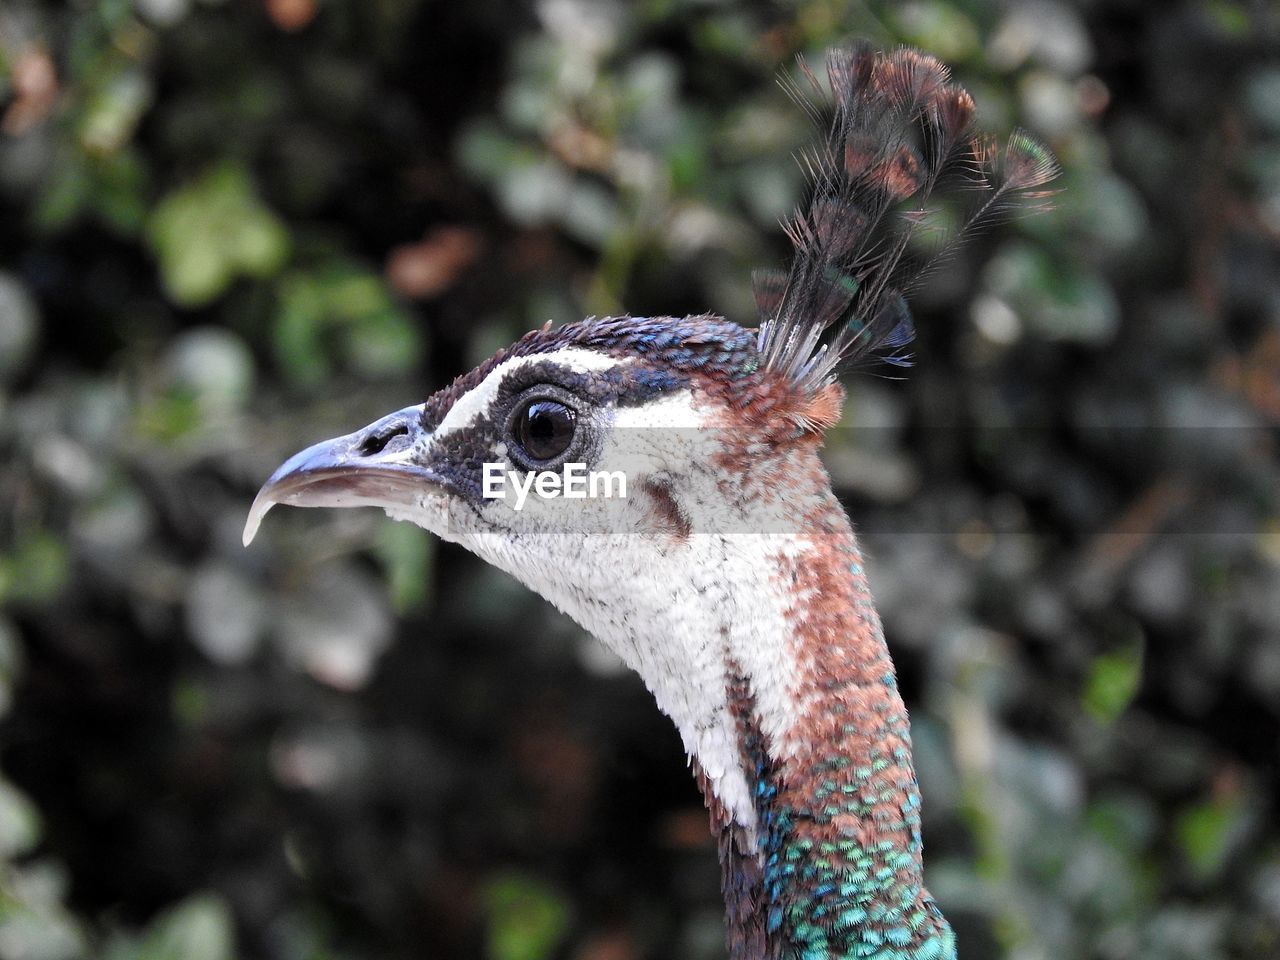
{"x":722,"y":477}
{"x":637,"y":421}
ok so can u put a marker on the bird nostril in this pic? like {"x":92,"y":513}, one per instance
{"x":375,"y":443}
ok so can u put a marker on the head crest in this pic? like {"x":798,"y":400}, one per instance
{"x":898,"y":127}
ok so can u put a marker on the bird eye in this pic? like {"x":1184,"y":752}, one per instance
{"x":544,"y":428}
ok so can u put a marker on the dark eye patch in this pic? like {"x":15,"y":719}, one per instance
{"x":624,"y":385}
{"x":550,"y":374}
{"x":462,"y":454}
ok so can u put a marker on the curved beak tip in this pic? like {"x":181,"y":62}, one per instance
{"x":259,"y":510}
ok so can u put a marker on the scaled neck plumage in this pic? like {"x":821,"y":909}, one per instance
{"x":835,"y":869}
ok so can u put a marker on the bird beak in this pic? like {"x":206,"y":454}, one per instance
{"x":383,"y":465}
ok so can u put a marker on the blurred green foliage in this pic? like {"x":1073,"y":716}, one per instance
{"x":234,"y":227}
{"x":526,"y":920}
{"x":1113,"y":682}
{"x":199,"y":928}
{"x":210,"y":231}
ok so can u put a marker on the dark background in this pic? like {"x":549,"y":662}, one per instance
{"x":229,"y":229}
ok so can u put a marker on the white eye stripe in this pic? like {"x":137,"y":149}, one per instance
{"x":673,"y":410}
{"x":478,"y":401}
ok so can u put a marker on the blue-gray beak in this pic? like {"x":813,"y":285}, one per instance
{"x":382,"y":465}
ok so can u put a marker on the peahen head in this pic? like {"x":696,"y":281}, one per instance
{"x":648,"y":404}
{"x":707,"y":548}
{"x":709,"y":458}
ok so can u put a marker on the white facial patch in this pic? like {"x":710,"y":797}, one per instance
{"x":682,"y":624}
{"x":476,"y":402}
{"x":665,"y":435}
{"x":669,"y":411}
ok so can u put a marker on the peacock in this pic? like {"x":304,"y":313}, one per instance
{"x":720,"y":566}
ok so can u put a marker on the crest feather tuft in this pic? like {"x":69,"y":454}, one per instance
{"x":898,"y":125}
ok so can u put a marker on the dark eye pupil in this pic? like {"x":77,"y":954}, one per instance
{"x":545,"y":429}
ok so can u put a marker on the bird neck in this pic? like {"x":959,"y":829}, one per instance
{"x":833,"y":869}
{"x":757,"y":635}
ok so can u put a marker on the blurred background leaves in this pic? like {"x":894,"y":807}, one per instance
{"x":229,"y":228}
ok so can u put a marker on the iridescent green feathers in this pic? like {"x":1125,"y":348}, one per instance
{"x":898,"y":128}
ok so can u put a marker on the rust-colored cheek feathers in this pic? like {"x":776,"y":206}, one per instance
{"x":819,"y":412}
